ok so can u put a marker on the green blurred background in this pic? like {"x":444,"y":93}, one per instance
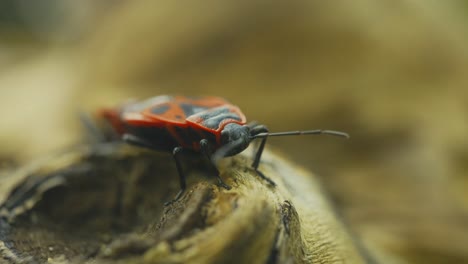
{"x":392,"y":73}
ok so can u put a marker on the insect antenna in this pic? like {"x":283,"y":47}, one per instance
{"x":306,"y":132}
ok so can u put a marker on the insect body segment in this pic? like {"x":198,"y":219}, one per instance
{"x":208,"y":125}
{"x":177,"y":121}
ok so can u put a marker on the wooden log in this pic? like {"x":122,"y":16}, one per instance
{"x":105,"y":205}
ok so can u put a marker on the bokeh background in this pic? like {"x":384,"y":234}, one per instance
{"x":392,"y":73}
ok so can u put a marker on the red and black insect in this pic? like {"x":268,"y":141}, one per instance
{"x":207,"y":125}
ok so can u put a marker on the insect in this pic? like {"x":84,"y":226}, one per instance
{"x":207,"y":125}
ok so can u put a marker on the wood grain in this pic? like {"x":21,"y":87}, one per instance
{"x":90,"y":205}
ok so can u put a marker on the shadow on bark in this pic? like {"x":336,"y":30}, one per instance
{"x":94,"y":206}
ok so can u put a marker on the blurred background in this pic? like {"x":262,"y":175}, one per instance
{"x":392,"y":73}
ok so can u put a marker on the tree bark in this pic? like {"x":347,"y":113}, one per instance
{"x":105,"y":205}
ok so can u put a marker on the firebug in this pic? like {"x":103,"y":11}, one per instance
{"x":207,"y":125}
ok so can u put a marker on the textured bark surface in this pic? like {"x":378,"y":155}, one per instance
{"x":106,"y":206}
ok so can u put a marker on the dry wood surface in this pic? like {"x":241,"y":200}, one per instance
{"x":105,"y":205}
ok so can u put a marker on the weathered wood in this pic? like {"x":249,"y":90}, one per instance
{"x":107,"y":206}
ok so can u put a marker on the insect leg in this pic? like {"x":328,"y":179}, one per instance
{"x":252,"y":125}
{"x":205,"y":148}
{"x":134,"y":140}
{"x":176,"y":154}
{"x":258,"y":154}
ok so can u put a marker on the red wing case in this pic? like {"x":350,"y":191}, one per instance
{"x":167,"y":110}
{"x":207,"y":113}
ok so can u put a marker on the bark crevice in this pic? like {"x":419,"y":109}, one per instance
{"x":113,"y":212}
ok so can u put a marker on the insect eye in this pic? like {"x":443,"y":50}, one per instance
{"x":224,"y":137}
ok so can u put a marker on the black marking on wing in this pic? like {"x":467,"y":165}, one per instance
{"x":190,"y":109}
{"x":160,"y":109}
